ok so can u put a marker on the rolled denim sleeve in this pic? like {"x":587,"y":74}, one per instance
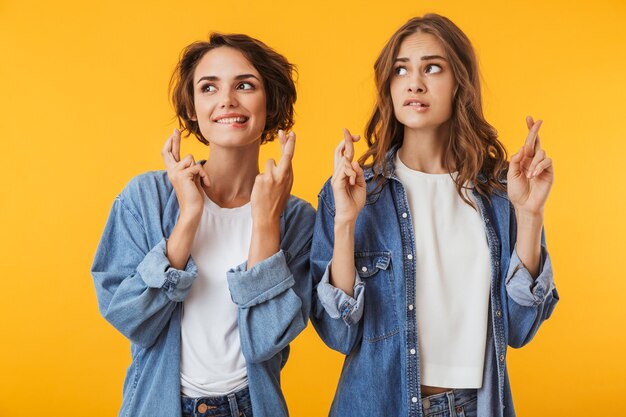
{"x":337,"y":303}
{"x":522,"y":287}
{"x":530,"y":301}
{"x":262,"y":282}
{"x":156,"y":272}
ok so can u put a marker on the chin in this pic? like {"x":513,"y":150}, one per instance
{"x":234,"y":141}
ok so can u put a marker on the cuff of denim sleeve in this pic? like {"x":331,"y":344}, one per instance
{"x":156,"y":272}
{"x":260,"y":283}
{"x":339,"y":304}
{"x":521,"y":286}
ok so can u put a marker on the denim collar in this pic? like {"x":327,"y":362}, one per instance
{"x":391,"y":168}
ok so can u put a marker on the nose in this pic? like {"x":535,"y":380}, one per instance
{"x":228,"y":100}
{"x":417,"y":85}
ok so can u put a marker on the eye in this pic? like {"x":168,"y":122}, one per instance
{"x":245,"y":86}
{"x":433,"y":69}
{"x":208,"y":88}
{"x":401,"y":71}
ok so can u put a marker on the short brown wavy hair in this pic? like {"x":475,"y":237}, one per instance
{"x":277,"y":73}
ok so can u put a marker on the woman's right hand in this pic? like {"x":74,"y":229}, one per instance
{"x":348,"y":182}
{"x":186,"y":176}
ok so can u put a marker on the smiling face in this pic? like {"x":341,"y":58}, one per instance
{"x":229,"y":98}
{"x":422,"y":84}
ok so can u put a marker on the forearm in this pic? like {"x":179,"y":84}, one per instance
{"x":264,"y":242}
{"x":342,"y":266}
{"x":528,"y":243}
{"x":180,"y":241}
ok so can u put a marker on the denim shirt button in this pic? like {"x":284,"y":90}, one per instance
{"x":409,"y":256}
{"x":486,"y":220}
{"x":410,"y":306}
{"x":412,"y":351}
{"x":404,"y":215}
{"x":364,"y":269}
{"x":498,"y":313}
{"x":414,"y":399}
{"x":501,"y":358}
{"x":497,"y":262}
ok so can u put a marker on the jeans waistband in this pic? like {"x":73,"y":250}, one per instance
{"x":438,"y":403}
{"x":216,"y":406}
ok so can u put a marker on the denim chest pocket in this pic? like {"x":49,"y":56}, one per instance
{"x":379,"y":314}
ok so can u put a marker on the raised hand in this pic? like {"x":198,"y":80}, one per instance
{"x":270,"y":194}
{"x":272,"y":188}
{"x":348,"y":182}
{"x":186,"y":176}
{"x":531,"y":174}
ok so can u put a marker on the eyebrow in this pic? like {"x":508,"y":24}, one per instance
{"x":238,"y":77}
{"x":424,"y":58}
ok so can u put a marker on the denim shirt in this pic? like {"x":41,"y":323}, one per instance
{"x":141,"y":295}
{"x":377,"y":328}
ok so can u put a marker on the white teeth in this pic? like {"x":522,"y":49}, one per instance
{"x":416,"y":104}
{"x":229,"y":120}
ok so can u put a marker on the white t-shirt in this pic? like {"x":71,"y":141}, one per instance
{"x":211,"y":360}
{"x":452,"y":279}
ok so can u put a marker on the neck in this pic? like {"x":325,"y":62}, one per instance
{"x":232,"y":172}
{"x":423,"y":149}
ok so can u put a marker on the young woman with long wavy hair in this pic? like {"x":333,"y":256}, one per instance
{"x":438,"y":255}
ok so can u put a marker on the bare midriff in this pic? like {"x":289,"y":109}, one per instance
{"x":427,"y":391}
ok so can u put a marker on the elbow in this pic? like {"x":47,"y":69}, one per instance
{"x":516,"y":341}
{"x":136,"y":334}
{"x":257,"y":349}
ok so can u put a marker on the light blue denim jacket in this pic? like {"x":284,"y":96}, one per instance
{"x":141,"y":295}
{"x":377,"y":329}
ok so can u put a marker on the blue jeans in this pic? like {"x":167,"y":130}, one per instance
{"x":237,"y":404}
{"x":455,"y":403}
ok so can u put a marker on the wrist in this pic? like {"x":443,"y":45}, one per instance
{"x":345,"y":228}
{"x":188,"y":220}
{"x":529,"y":218}
{"x":344,"y":222}
{"x":266,"y":225}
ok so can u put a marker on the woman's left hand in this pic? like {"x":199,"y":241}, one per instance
{"x":269,"y":197}
{"x":531,"y":174}
{"x":272,"y":188}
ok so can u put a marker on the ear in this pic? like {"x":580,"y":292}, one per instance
{"x":191,"y":113}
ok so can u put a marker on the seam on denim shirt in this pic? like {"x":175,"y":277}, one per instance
{"x":172,"y":278}
{"x":322,"y":197}
{"x":306,"y":250}
{"x":136,"y":217}
{"x":346,"y":311}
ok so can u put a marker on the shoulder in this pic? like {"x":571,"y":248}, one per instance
{"x":326,"y":198}
{"x":299,"y":210}
{"x":147,"y":188}
{"x":297,"y":226}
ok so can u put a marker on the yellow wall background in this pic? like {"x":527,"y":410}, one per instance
{"x":84,"y":108}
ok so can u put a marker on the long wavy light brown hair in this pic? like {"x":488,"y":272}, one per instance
{"x":473,"y":147}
